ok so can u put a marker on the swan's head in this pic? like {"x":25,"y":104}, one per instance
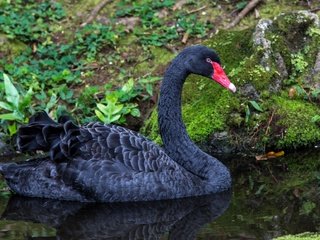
{"x":206,"y":62}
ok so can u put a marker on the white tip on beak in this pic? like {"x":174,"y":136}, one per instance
{"x":232,"y":87}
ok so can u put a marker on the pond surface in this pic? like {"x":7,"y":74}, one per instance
{"x":269,"y":199}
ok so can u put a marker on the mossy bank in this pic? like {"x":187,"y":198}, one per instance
{"x":276,"y":68}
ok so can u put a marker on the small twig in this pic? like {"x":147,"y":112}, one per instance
{"x":196,"y":10}
{"x":269,"y":122}
{"x":185,"y":38}
{"x":171,"y":49}
{"x":274,"y":178}
{"x":315,"y":9}
{"x":95,"y":12}
{"x":251,"y":5}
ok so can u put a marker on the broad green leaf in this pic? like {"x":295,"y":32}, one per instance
{"x":52,"y":102}
{"x":11,"y":117}
{"x":135,"y":112}
{"x":6,"y":106}
{"x":256,"y":106}
{"x":315,"y":118}
{"x":103,"y":108}
{"x":248,"y":113}
{"x":114,"y":118}
{"x":100,"y":115}
{"x":149,"y":80}
{"x":149,"y":89}
{"x":12,"y":94}
{"x":26,"y":100}
{"x":113,"y":98}
{"x":128,"y":86}
{"x":12,"y":129}
{"x":117,"y":108}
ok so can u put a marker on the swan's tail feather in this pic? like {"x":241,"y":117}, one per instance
{"x":42,"y":133}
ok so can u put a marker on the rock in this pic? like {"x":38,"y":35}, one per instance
{"x":249,"y":91}
{"x":220,"y":143}
{"x":283,"y":73}
{"x":260,"y":40}
{"x":265,"y":63}
{"x":5,"y":149}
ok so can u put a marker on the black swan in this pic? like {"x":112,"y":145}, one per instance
{"x":180,"y":218}
{"x":109,"y":163}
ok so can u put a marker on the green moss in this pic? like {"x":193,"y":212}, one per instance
{"x":301,"y":236}
{"x":239,"y":41}
{"x":295,"y":118}
{"x":10,"y":47}
{"x":151,"y":128}
{"x":206,"y":107}
{"x":161,"y":55}
{"x":161,"y":59}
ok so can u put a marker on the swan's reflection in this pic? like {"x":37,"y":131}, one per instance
{"x":182,"y":218}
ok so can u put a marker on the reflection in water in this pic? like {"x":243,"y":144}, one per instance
{"x":181,"y":218}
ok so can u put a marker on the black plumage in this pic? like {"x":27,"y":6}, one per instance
{"x":109,"y":163}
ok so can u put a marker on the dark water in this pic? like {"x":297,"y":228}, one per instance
{"x":269,"y":199}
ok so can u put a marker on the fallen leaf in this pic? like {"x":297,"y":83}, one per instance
{"x":103,"y":20}
{"x":163,"y":13}
{"x":34,"y":48}
{"x":129,"y":22}
{"x":256,"y":13}
{"x":185,"y":37}
{"x":279,"y":154}
{"x":292,"y":92}
{"x":296,"y":193}
{"x":269,"y":155}
{"x":179,"y":5}
{"x":261,"y":157}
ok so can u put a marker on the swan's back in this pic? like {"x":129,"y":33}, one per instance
{"x":96,"y":162}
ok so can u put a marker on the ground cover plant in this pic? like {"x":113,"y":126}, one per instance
{"x":54,"y":68}
{"x":109,"y":69}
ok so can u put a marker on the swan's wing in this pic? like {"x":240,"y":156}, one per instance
{"x":116,"y":164}
{"x":123,"y":148}
{"x":66,"y":141}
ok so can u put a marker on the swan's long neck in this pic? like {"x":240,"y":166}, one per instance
{"x":177,"y":143}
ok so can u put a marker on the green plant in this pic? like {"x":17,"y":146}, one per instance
{"x":31,"y":22}
{"x":241,"y":5}
{"x":14,"y":104}
{"x":92,"y":38}
{"x":115,"y":106}
{"x":307,"y":208}
{"x":191,"y":25}
{"x":155,"y":30}
{"x":298,"y":67}
{"x":253,"y":104}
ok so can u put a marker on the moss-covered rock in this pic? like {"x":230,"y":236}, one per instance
{"x":276,"y":67}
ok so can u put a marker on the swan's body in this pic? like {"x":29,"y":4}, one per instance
{"x":108,"y":163}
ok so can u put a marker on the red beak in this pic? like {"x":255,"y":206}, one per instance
{"x":220,"y":77}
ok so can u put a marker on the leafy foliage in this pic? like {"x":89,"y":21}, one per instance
{"x":14,"y":104}
{"x":30,"y":22}
{"x":117,"y":104}
{"x":155,"y":30}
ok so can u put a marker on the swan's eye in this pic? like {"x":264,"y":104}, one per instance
{"x":209,"y":60}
